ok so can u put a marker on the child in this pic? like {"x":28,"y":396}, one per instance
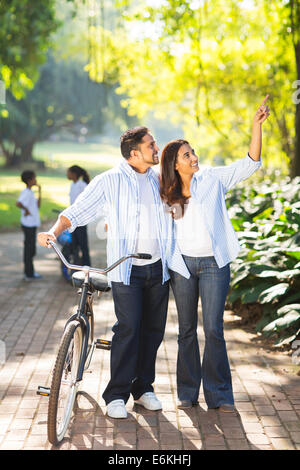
{"x":30,"y":220}
{"x":80,"y":179}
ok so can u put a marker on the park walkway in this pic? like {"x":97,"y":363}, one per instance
{"x":266,"y":387}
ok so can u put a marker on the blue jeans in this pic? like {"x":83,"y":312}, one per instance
{"x":141,"y":311}
{"x":212,"y":284}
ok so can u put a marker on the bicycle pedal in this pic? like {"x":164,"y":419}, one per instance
{"x":103,"y":344}
{"x":44,"y":391}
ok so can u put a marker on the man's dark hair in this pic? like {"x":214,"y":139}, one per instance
{"x":131,"y":139}
{"x":27,"y":175}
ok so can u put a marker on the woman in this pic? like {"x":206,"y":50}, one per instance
{"x":206,"y":239}
{"x":80,"y":179}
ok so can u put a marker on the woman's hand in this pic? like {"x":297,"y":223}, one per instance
{"x":263,"y":112}
{"x":256,"y":140}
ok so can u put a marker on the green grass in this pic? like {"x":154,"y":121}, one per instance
{"x":95,"y":158}
{"x":54,"y":196}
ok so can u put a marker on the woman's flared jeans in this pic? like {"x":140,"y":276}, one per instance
{"x":211,"y":283}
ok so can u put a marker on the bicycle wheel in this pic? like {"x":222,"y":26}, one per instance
{"x":64,"y":383}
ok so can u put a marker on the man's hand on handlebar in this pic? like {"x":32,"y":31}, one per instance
{"x":45,"y":237}
{"x":60,"y":226}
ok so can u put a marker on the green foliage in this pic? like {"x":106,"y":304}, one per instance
{"x":266,"y":216}
{"x":207,"y":65}
{"x":25,"y":36}
{"x":63,"y":98}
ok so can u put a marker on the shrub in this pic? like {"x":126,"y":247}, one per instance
{"x":266,"y":274}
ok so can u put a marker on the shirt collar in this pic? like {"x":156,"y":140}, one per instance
{"x":127,"y":168}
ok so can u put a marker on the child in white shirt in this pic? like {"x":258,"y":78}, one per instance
{"x":30,"y":220}
{"x":80,"y":179}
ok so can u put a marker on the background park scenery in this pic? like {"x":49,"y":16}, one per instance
{"x":75,"y":74}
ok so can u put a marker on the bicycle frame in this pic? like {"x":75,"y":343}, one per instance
{"x":80,"y":315}
{"x":80,"y":325}
{"x":82,"y":318}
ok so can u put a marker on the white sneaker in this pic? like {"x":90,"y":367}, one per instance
{"x":149,"y":401}
{"x":116,"y":409}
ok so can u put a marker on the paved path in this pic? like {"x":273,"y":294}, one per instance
{"x":266,"y":387}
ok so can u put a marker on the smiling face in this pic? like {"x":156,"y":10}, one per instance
{"x":148,"y":150}
{"x":145,"y":154}
{"x":187,"y":161}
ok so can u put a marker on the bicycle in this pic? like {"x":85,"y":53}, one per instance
{"x":77,"y":345}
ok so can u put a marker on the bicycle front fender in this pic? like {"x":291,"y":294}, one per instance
{"x":86,"y":333}
{"x":85,"y":340}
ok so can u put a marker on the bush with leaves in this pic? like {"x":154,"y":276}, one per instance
{"x":266,"y":274}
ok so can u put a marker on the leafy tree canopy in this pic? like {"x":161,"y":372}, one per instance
{"x":208,"y":65}
{"x":25,"y":36}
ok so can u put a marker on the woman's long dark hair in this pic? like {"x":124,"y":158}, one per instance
{"x":80,"y":173}
{"x":170,"y":181}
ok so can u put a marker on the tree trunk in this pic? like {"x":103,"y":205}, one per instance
{"x":295,"y":169}
{"x":295,"y":23}
{"x":19,"y":155}
{"x":11,"y":156}
{"x":295,"y":166}
{"x":26,"y":152}
{"x":5,"y":152}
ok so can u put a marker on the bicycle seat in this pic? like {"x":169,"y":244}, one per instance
{"x":97,"y":281}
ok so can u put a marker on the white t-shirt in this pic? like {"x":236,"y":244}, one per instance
{"x":192,"y":236}
{"x":147,"y":240}
{"x":75,"y":189}
{"x":28,"y":199}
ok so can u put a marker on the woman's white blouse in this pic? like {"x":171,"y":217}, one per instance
{"x":191,"y":233}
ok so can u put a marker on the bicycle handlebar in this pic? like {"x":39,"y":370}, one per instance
{"x":88,"y":269}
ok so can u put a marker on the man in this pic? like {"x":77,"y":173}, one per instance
{"x":140,"y":288}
